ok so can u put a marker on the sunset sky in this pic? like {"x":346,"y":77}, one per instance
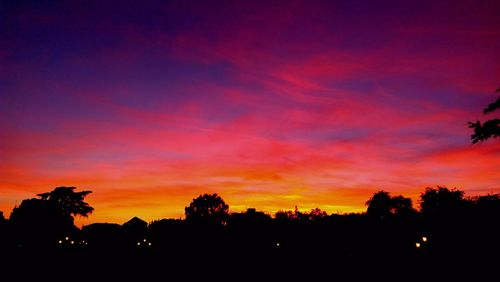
{"x":271,"y":104}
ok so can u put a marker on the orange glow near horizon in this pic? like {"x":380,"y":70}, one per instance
{"x":120,"y":193}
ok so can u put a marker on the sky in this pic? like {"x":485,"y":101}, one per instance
{"x":270,"y":104}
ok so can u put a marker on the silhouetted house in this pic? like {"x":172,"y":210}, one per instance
{"x":135,"y":223}
{"x":135,"y":229}
{"x":103,"y":235}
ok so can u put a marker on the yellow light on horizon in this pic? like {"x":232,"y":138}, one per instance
{"x":417,"y":245}
{"x":424,"y":239}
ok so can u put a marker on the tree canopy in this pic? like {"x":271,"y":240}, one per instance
{"x":207,"y":209}
{"x":488,"y":129}
{"x":70,"y":202}
{"x":40,"y":220}
{"x":441,"y":201}
{"x":383,"y":205}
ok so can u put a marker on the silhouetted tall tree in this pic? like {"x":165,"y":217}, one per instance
{"x":41,"y":220}
{"x":69,"y":201}
{"x":207,"y":209}
{"x":490,"y":128}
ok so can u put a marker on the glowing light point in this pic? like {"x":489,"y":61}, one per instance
{"x":72,"y":242}
{"x":60,"y":241}
{"x":67,"y":238}
{"x":277,"y":244}
{"x":138,"y":243}
{"x":424,"y":239}
{"x":417,"y":245}
{"x":149,"y":244}
{"x":144,"y":240}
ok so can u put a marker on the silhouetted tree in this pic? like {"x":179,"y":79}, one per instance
{"x":285,"y":215}
{"x":36,"y":222}
{"x":69,"y":201}
{"x":402,"y":205}
{"x":490,"y":128}
{"x":42,"y":220}
{"x":379,"y":205}
{"x":317,"y":214}
{"x":291,"y":215}
{"x":207,"y":209}
{"x":488,"y":206}
{"x":2,"y":218}
{"x":442,"y":202}
{"x":383,"y":205}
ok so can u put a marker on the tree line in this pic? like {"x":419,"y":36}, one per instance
{"x":446,"y":218}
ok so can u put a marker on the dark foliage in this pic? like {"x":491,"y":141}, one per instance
{"x":69,"y":201}
{"x":42,"y":222}
{"x":485,"y":131}
{"x":382,"y":205}
{"x":488,"y":129}
{"x":207,"y":209}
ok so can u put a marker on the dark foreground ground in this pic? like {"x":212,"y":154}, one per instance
{"x":224,"y":264}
